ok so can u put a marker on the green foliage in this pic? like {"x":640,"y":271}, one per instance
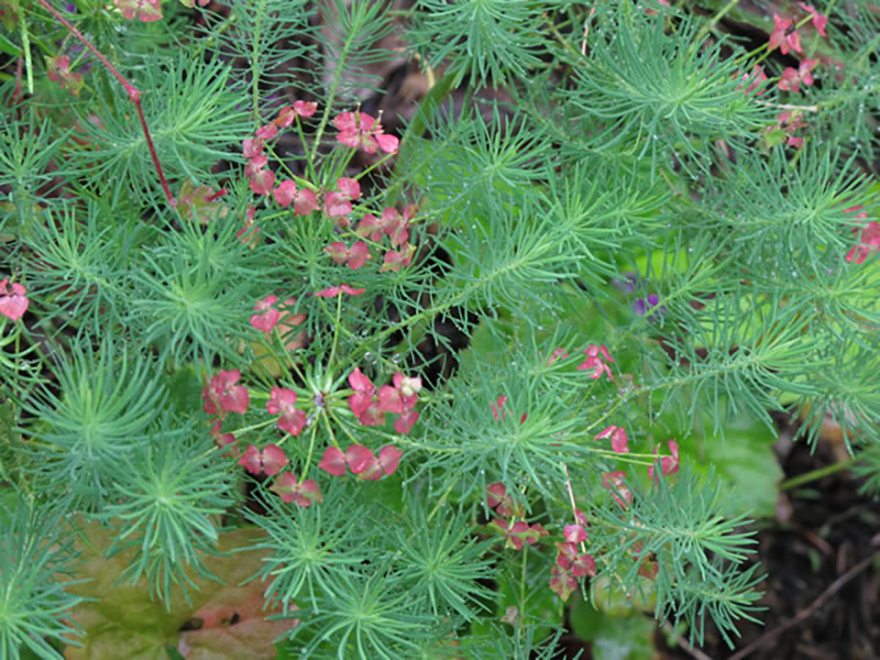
{"x":489,"y":40}
{"x":652,"y":92}
{"x":168,"y":497}
{"x":191,"y":111}
{"x":34,"y":604}
{"x":699,"y":552}
{"x":625,"y":198}
{"x":105,"y":405}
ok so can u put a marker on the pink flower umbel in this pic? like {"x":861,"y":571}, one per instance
{"x":391,"y":224}
{"x":261,"y":181}
{"x":792,"y":78}
{"x":146,"y":11}
{"x":251,"y":148}
{"x":305,"y":201}
{"x":402,"y":397}
{"x":271,"y":460}
{"x":338,"y":203}
{"x":563,"y":582}
{"x":575,"y":534}
{"x":579,"y":564}
{"x":755,"y":78}
{"x":333,"y":291}
{"x":221,"y":395}
{"x":267,"y":132}
{"x":223,"y":439}
{"x":784,"y":36}
{"x":13,"y":300}
{"x":615,"y":483}
{"x":869,"y":241}
{"x":59,"y":71}
{"x":819,"y":20}
{"x":358,"y":129}
{"x":393,"y":261}
{"x":355,"y":256}
{"x":290,"y":490}
{"x":268,"y":319}
{"x":496,"y":496}
{"x":287,"y":114}
{"x":281,"y":401}
{"x":618,"y":437}
{"x":594,"y":361}
{"x":668,"y":464}
{"x":364,"y":392}
{"x":518,"y":533}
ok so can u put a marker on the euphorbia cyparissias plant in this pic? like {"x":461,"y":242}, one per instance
{"x":445,"y":362}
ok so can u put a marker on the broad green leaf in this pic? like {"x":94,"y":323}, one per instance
{"x":613,"y":637}
{"x":226,"y":621}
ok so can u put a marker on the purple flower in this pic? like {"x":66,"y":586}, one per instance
{"x":642,"y":305}
{"x":627,"y":282}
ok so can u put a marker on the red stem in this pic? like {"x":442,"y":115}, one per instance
{"x":133,"y":93}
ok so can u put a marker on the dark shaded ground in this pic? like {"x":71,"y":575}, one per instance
{"x":822,"y":542}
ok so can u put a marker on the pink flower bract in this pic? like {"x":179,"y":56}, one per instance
{"x":13,"y":300}
{"x":784,"y":36}
{"x":333,"y":462}
{"x":303,"y":494}
{"x":222,"y":395}
{"x":268,"y":319}
{"x":146,"y":11}
{"x":281,"y":401}
{"x":271,"y":460}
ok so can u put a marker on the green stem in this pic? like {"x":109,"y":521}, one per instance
{"x":815,"y":475}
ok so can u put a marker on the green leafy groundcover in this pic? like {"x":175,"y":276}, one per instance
{"x":293,"y":368}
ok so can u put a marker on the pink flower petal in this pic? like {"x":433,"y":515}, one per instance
{"x":575,"y":534}
{"x":261,"y":182}
{"x":359,"y":458}
{"x":305,"y":108}
{"x":285,"y":193}
{"x":251,"y":460}
{"x":389,"y":458}
{"x":405,"y":422}
{"x":333,"y":462}
{"x":13,"y":300}
{"x":274,"y":459}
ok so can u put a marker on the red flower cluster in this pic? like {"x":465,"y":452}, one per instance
{"x":618,"y":437}
{"x":333,"y":291}
{"x":594,"y":361}
{"x":400,"y":399}
{"x":396,"y":227}
{"x":361,"y":461}
{"x":496,"y":496}
{"x":13,"y":300}
{"x":59,"y":71}
{"x":668,"y":464}
{"x":221,"y":395}
{"x":281,"y":402}
{"x":570,"y":564}
{"x":355,"y":256}
{"x":304,"y":200}
{"x":360,"y":130}
{"x":868,"y":237}
{"x":263,"y":180}
{"x":792,"y":78}
{"x":338,"y":202}
{"x":270,"y":461}
{"x":518,"y":533}
{"x":290,"y":490}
